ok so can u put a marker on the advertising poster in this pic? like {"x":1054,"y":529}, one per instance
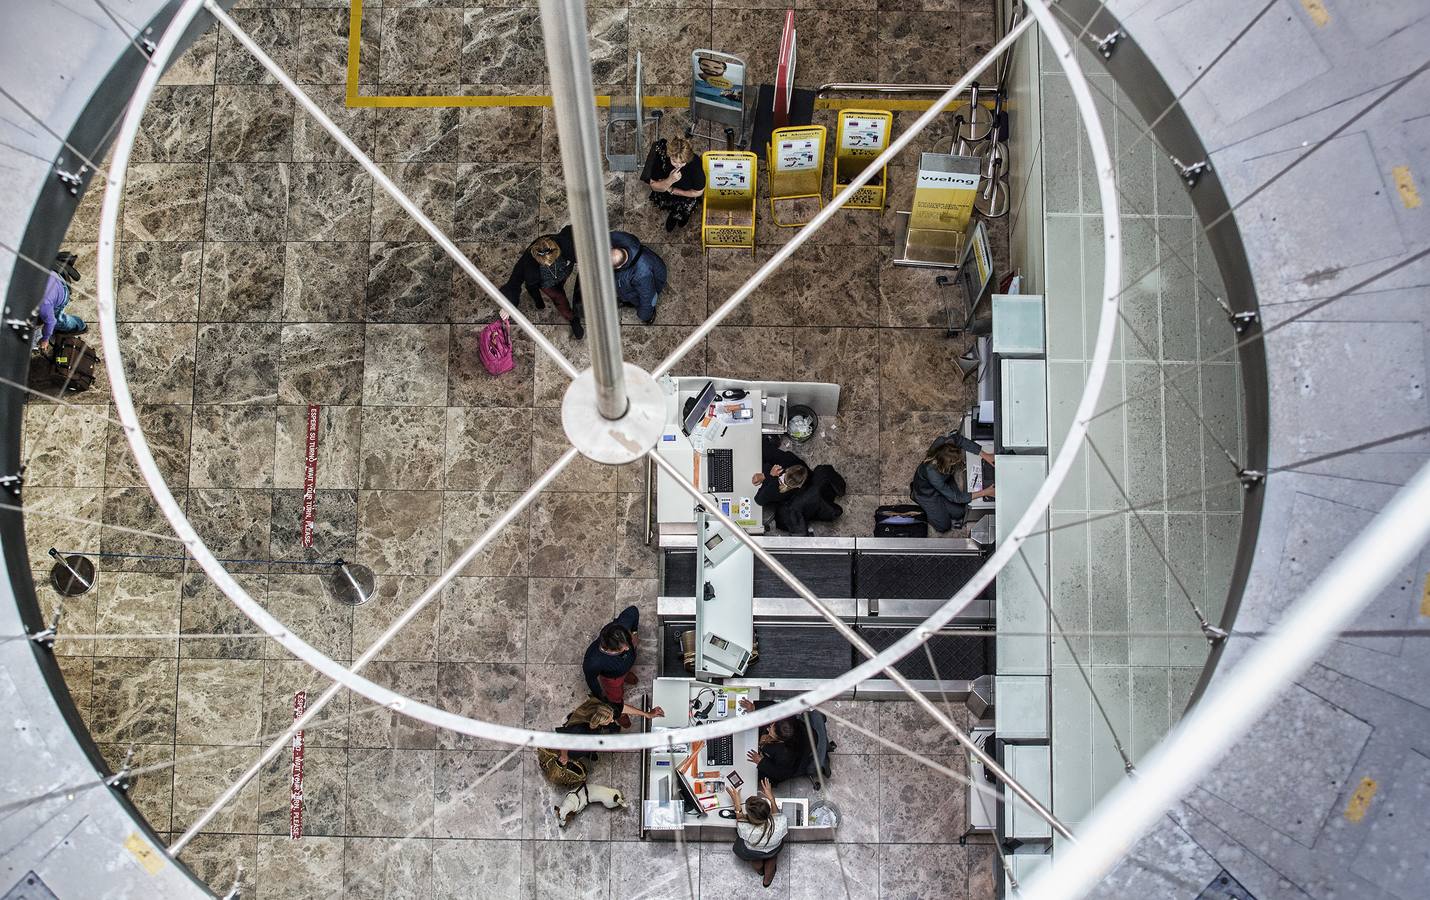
{"x":719,"y":83}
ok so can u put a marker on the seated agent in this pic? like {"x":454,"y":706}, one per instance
{"x":679,"y":192}
{"x":53,"y":319}
{"x":816,"y":501}
{"x":640,"y":274}
{"x":543,"y":269}
{"x":609,"y":660}
{"x":940,"y":484}
{"x":784,"y":751}
{"x":782,"y":473}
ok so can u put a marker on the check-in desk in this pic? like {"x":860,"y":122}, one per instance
{"x":664,"y":812}
{"x":769,"y":401}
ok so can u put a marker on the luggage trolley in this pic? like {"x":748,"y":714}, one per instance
{"x":717,"y":96}
{"x":625,"y":127}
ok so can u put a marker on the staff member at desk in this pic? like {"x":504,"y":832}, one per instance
{"x":939,"y":484}
{"x":781,"y":474}
{"x":783,"y":752}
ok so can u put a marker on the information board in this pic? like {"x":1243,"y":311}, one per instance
{"x":862,"y":135}
{"x":796,"y":162}
{"x":727,"y":214}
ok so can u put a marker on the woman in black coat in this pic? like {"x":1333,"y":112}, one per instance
{"x":543,"y":269}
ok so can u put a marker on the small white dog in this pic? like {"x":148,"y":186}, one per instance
{"x":583,"y":796}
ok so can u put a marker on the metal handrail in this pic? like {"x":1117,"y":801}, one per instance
{"x":879,"y":87}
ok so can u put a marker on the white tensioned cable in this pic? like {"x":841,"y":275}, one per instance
{"x":1057,"y":472}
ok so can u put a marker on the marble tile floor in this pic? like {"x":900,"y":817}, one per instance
{"x":261,"y":272}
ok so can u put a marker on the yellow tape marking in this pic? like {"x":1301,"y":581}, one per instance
{"x":1360,"y":800}
{"x":1317,"y":11}
{"x":1405,"y":186}
{"x":1425,"y":599}
{"x":356,"y":99}
{"x":152,"y":860}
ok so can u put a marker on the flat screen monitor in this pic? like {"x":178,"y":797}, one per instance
{"x":702,"y":405}
{"x":687,"y":792}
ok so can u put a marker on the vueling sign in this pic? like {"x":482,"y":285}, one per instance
{"x":944,"y":192}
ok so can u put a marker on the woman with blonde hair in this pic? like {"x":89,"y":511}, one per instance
{"x":679,"y":192}
{"x":760,"y":830}
{"x":940,"y":484}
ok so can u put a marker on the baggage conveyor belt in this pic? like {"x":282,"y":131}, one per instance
{"x":817,"y":651}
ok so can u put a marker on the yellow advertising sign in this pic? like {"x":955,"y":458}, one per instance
{"x":861,"y":135}
{"x":796,"y":159}
{"x":727,"y":216}
{"x":944,"y":192}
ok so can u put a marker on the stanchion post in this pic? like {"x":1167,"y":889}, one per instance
{"x":350,"y":584}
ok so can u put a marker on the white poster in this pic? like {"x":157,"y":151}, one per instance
{"x":862,"y":134}
{"x":730,"y":175}
{"x":797,"y":155}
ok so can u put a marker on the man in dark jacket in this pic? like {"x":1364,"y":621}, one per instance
{"x":543,"y":269}
{"x":815,"y":502}
{"x":640,"y":274}
{"x":784,"y":749}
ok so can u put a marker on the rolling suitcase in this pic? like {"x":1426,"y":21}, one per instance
{"x":901,"y":520}
{"x":71,"y":363}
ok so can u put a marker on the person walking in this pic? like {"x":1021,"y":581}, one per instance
{"x":543,"y":269}
{"x":609,"y":661}
{"x":640,"y":274}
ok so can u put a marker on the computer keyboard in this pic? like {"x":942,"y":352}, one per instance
{"x":722,"y":470}
{"x":720,"y":751}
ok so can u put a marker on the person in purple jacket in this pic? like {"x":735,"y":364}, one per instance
{"x":53,"y":318}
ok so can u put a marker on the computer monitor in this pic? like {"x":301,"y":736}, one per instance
{"x":701,"y":406}
{"x":687,"y":792}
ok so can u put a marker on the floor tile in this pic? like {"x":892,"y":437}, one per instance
{"x":402,"y":448}
{"x":242,"y":282}
{"x":405,"y":365}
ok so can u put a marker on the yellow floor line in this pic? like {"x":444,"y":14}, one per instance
{"x":356,"y":99}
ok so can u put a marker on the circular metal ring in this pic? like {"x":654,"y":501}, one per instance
{"x":1025,"y":525}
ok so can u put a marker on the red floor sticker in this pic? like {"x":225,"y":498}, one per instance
{"x":310,"y":476}
{"x":295,"y":797}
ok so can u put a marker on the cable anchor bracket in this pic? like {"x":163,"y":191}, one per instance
{"x":1213,"y":634}
{"x":46,"y":637}
{"x":13,"y":483}
{"x":23,"y":327}
{"x":73,"y":180}
{"x":1191,"y":172}
{"x":122,"y":781}
{"x":1106,"y":45}
{"x":1250,"y":478}
{"x":1241,"y":322}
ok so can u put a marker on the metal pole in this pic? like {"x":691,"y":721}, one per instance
{"x":568,"y":63}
